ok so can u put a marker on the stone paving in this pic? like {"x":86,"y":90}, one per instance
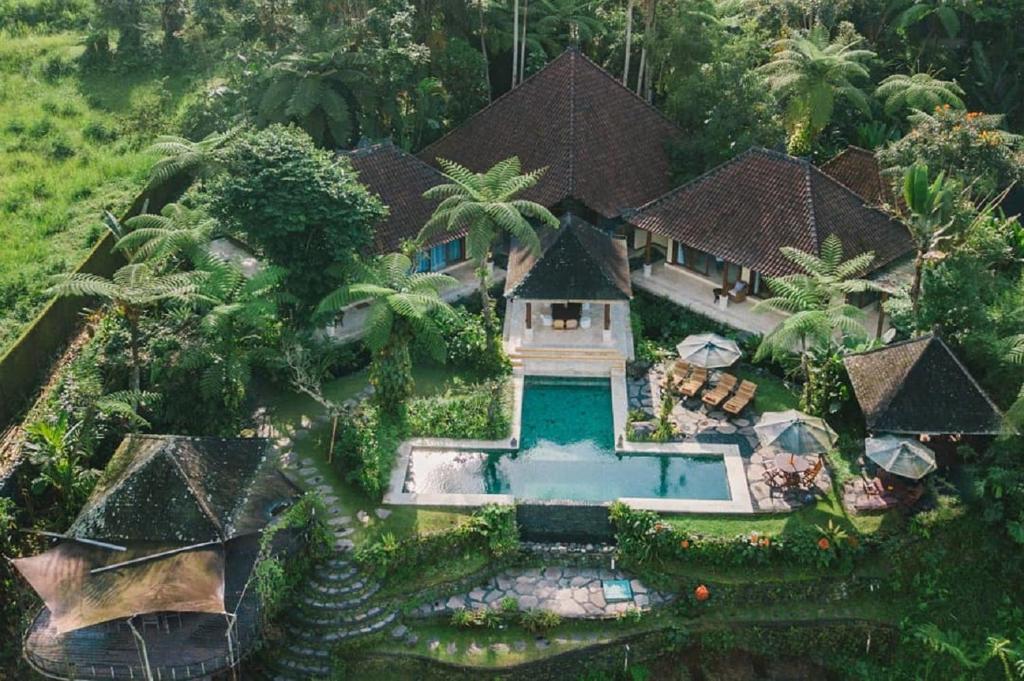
{"x":693,"y":421}
{"x":569,"y":591}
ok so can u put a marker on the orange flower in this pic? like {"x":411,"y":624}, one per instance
{"x":765,"y":541}
{"x":685,"y":543}
{"x":702,"y":593}
{"x":824,"y":544}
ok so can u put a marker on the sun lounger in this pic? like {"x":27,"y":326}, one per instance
{"x":721,"y":391}
{"x":696,"y":381}
{"x":743,"y":397}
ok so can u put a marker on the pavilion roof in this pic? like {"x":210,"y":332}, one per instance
{"x":180,"y":490}
{"x":749,"y":207}
{"x":919,"y":386}
{"x":601,"y":144}
{"x":577,"y":262}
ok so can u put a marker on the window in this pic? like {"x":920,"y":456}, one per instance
{"x":422,"y":262}
{"x":438,"y":257}
{"x":455,"y":250}
{"x":732,"y":274}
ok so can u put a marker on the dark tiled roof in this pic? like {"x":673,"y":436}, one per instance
{"x":578,"y":262}
{"x":746,"y":209}
{"x":177,"y":490}
{"x":858,"y":169}
{"x":399,"y":179}
{"x":919,"y":386}
{"x":601,"y":144}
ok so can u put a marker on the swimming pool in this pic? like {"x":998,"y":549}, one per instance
{"x":567,"y":452}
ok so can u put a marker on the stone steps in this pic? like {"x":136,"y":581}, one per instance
{"x":320,"y":611}
{"x":352,"y":624}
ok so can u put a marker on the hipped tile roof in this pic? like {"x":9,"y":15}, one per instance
{"x":577,"y":262}
{"x":601,"y":144}
{"x":746,"y":209}
{"x":919,"y":386}
{"x":399,"y":179}
{"x":858,"y":169}
{"x":177,"y":490}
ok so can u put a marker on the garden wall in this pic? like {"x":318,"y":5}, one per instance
{"x":563,"y":521}
{"x":27,"y":362}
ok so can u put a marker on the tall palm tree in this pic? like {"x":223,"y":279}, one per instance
{"x":629,"y":41}
{"x":177,"y":230}
{"x":403,"y":307}
{"x":485,"y":205}
{"x":931,"y":222}
{"x":132,"y":290}
{"x":815,"y":301}
{"x":183,"y":157}
{"x":1015,"y":355}
{"x":921,"y":91}
{"x":317,"y":90}
{"x":809,"y":72}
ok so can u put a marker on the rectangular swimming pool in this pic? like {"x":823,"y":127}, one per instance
{"x":567,"y":453}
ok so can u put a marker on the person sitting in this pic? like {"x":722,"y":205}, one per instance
{"x":739,"y":291}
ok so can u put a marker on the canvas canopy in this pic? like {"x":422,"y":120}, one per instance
{"x":186,"y":581}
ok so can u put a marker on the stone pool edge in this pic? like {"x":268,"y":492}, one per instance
{"x":739,"y":491}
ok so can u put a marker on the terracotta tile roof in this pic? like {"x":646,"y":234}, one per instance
{"x":746,"y":209}
{"x":578,"y":262}
{"x":602,"y":144}
{"x":858,"y":169}
{"x":399,"y":179}
{"x":919,"y":386}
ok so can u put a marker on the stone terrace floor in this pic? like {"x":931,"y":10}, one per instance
{"x":695,"y":423}
{"x":573,"y":592}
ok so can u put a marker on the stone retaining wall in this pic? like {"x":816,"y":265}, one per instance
{"x":564,"y":521}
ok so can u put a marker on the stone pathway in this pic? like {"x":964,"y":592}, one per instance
{"x":569,"y":591}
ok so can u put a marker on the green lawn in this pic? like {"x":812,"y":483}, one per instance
{"x":71,"y":148}
{"x":772,"y":393}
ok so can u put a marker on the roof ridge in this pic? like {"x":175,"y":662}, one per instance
{"x":812,"y":221}
{"x":602,"y":265}
{"x":604,"y":72}
{"x":967,"y":373}
{"x":572,"y":121}
{"x":496,"y":100}
{"x":895,"y":387}
{"x":363,"y":152}
{"x":203,"y":504}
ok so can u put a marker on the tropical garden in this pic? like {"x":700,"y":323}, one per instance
{"x":235,"y":112}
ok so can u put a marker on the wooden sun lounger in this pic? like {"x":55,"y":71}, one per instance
{"x":721,"y":391}
{"x":743,"y":397}
{"x":695,"y":382}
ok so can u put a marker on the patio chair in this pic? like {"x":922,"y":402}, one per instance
{"x":811,"y":474}
{"x":697,"y":379}
{"x":718,"y":394}
{"x":872,"y":486}
{"x":776,"y":482}
{"x":571,"y":324}
{"x":559,"y":324}
{"x":743,"y":397}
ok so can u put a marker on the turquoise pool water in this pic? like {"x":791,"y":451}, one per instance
{"x":567,"y":452}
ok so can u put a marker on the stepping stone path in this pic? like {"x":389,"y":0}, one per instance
{"x":569,"y":591}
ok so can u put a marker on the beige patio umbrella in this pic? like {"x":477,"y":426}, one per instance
{"x":795,"y":432}
{"x":900,"y":456}
{"x":709,"y":350}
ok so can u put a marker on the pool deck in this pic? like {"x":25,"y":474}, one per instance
{"x":739,"y":503}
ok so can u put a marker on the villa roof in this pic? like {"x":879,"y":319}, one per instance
{"x":858,"y":169}
{"x":920,"y":387}
{"x":746,"y":209}
{"x":577,"y":262}
{"x":399,"y":179}
{"x":175,"y":490}
{"x":601,"y":144}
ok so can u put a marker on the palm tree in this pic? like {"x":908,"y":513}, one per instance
{"x":318,"y":91}
{"x":133,"y":289}
{"x":809,"y":72}
{"x":1015,"y":355}
{"x":920,"y":91}
{"x":566,"y":22}
{"x":629,"y":41}
{"x":931,"y":222}
{"x":183,"y":157}
{"x":485,"y":205}
{"x":177,"y":230}
{"x":403,"y":307}
{"x":815,"y":301}
{"x":916,"y":12}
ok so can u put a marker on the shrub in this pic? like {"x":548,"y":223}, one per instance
{"x":477,"y":411}
{"x":538,"y":621}
{"x":508,"y":605}
{"x":466,"y":343}
{"x":476,"y":617}
{"x":492,"y":529}
{"x":98,"y":131}
{"x":365,"y":448}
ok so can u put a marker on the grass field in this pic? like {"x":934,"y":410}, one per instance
{"x":70,"y":147}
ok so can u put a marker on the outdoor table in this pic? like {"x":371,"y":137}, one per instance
{"x":791,"y":465}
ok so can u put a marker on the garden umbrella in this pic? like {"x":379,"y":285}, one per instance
{"x":794,"y":432}
{"x":709,"y":350}
{"x":900,"y":456}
